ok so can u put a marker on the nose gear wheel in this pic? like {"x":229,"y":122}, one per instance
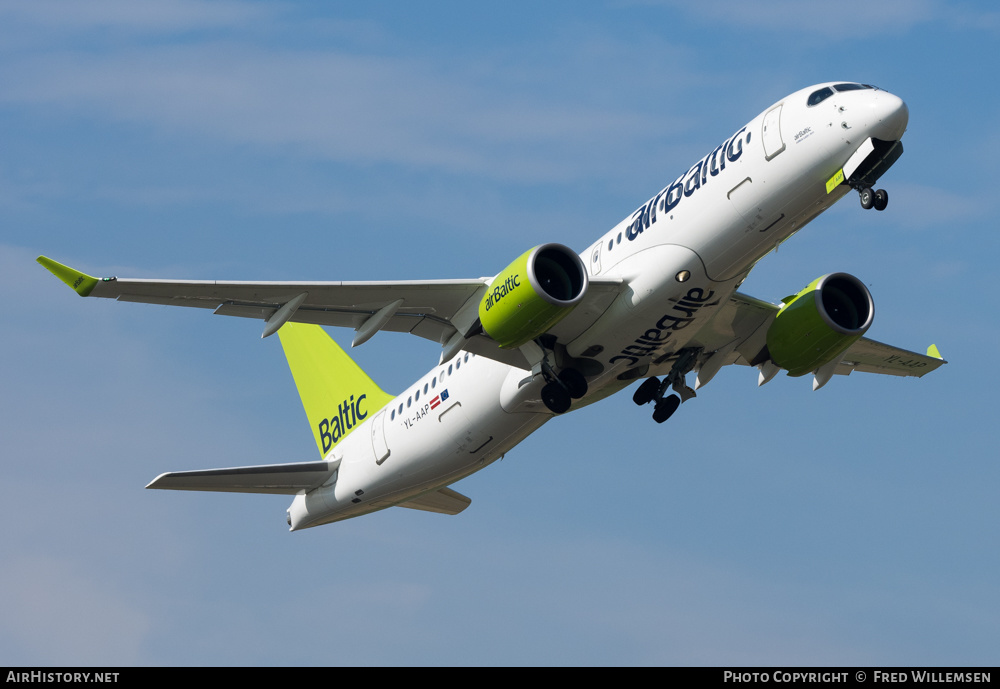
{"x":873,"y":199}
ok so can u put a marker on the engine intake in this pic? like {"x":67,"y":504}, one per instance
{"x":532,"y":294}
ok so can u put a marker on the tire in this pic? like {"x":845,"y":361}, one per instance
{"x":665,"y":408}
{"x":881,"y":199}
{"x":645,"y":393}
{"x":574,"y":381}
{"x":867,"y":198}
{"x":555,"y":398}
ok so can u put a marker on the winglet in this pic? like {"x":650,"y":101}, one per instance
{"x":81,"y":283}
{"x":933,"y":351}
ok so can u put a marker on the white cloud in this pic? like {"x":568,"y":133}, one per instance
{"x":327,"y":105}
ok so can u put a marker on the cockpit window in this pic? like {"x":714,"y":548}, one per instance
{"x":817,"y":97}
{"x":851,"y":87}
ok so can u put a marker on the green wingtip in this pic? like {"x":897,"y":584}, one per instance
{"x":933,"y":351}
{"x":81,"y":283}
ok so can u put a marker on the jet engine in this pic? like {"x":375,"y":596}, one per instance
{"x":532,"y":294}
{"x":820,"y":323}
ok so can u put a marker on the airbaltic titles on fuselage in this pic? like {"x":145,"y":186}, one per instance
{"x":687,"y":184}
{"x":680,"y":316}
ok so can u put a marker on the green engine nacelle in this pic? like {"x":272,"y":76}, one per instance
{"x":820,"y":323}
{"x":532,"y":294}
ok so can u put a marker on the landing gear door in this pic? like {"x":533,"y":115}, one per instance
{"x":379,"y":444}
{"x":771,"y":133}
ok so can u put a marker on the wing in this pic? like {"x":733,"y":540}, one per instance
{"x":738,"y":335}
{"x":870,"y":356}
{"x":437,"y":310}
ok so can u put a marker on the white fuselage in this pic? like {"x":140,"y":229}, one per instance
{"x":682,"y":254}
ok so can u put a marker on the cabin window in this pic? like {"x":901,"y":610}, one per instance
{"x":425,"y":388}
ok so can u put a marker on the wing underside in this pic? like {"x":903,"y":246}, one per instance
{"x":439,"y":310}
{"x":738,"y":334}
{"x":436,"y":310}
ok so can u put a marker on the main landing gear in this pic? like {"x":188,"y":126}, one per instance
{"x":560,"y":390}
{"x":873,"y":199}
{"x":653,"y":390}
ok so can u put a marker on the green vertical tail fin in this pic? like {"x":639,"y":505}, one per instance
{"x":336,"y":394}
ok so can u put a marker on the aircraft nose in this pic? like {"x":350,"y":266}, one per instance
{"x":889,"y":116}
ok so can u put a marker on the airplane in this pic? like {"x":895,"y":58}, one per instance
{"x":654,"y":299}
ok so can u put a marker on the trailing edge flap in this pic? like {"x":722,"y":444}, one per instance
{"x":442,"y":501}
{"x":282,"y":479}
{"x":336,"y":394}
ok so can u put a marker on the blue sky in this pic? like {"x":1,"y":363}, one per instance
{"x":245,"y":140}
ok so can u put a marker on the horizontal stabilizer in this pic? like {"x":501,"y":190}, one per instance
{"x":281,"y":479}
{"x":442,"y":501}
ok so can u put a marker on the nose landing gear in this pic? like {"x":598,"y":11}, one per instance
{"x":873,"y":199}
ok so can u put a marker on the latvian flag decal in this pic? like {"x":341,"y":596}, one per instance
{"x":439,"y":399}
